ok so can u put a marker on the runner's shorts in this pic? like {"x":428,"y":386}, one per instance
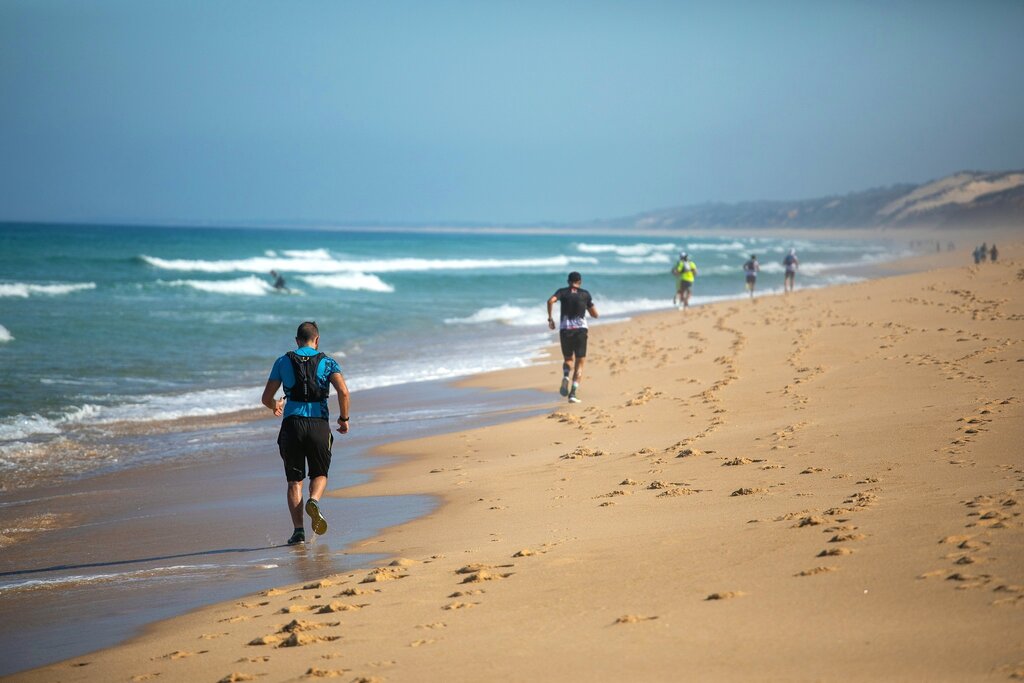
{"x":574,"y":343}
{"x":685,"y":285}
{"x":302,"y":440}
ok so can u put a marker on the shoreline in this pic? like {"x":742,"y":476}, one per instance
{"x":123,"y":550}
{"x":395,"y":478}
{"x":81,"y":441}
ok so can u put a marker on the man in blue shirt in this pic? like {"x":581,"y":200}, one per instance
{"x":305,"y":435}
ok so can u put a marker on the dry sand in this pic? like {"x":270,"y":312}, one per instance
{"x":822,"y":486}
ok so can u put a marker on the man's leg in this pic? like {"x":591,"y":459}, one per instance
{"x":295,"y":503}
{"x":577,"y":375}
{"x":316,"y":487}
{"x":566,"y":369}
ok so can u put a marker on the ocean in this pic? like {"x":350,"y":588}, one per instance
{"x":106,"y":330}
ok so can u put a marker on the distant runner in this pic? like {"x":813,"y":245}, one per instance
{"x":575,"y":304}
{"x":305,"y":435}
{"x":750,"y":270}
{"x":791,"y":262}
{"x":684,"y":272}
{"x":993,"y":254}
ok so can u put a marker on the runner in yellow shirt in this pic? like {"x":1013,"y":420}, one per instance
{"x":684,"y":272}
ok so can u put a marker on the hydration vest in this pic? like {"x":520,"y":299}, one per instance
{"x":306,"y":388}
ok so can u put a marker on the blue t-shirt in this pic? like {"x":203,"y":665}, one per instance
{"x":283,"y":373}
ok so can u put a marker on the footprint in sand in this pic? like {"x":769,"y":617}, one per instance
{"x":484,"y":575}
{"x":746,"y":491}
{"x":383,"y":574}
{"x":727,"y":595}
{"x":633,"y":619}
{"x":339,"y":607}
{"x":314,"y":672}
{"x":831,"y":552}
{"x":816,"y":570}
{"x":237,"y":677}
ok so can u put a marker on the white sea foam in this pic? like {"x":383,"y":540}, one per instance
{"x":250,"y":286}
{"x":24,"y":290}
{"x":639,"y":249}
{"x":653,"y":258}
{"x":5,"y":335}
{"x":506,"y":314}
{"x":351,"y":281}
{"x":135,"y":575}
{"x":263,"y":264}
{"x":19,"y":427}
{"x":523,"y":316}
{"x":321,"y":254}
{"x":696,"y":247}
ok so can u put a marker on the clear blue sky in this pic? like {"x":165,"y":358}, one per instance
{"x":491,"y":111}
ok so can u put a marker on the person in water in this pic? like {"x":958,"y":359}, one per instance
{"x":305,"y":437}
{"x":278,"y":281}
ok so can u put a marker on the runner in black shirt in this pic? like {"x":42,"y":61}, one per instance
{"x":575,"y":304}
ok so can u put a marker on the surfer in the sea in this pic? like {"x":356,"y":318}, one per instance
{"x":279,"y":284}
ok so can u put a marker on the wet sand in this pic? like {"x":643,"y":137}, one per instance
{"x":87,"y":563}
{"x":821,"y":486}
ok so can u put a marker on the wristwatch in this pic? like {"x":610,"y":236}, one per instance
{"x":343,"y":419}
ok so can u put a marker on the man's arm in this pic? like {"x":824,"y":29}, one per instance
{"x":268,"y":397}
{"x":338,"y":382}
{"x":592,"y":311}
{"x":551,"y":302}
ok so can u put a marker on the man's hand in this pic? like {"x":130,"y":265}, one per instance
{"x":279,"y":407}
{"x":342,"y":426}
{"x":551,"y":324}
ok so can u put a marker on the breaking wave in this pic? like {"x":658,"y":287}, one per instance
{"x":25,"y":290}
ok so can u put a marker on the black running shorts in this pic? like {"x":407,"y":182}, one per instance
{"x":305,"y":440}
{"x":574,"y":343}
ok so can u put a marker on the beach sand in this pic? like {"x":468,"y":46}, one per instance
{"x":821,"y":486}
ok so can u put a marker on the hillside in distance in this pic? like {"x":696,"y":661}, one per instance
{"x":965,"y":199}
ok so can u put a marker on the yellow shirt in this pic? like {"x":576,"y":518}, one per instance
{"x":685,"y":270}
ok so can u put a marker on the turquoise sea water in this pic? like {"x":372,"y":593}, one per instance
{"x":103,"y":326}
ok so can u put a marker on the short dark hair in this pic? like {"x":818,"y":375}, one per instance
{"x":307,"y":332}
{"x":575,"y":277}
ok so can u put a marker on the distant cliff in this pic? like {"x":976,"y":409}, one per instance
{"x":960,"y":200}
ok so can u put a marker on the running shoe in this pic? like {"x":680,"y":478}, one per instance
{"x":298,"y":537}
{"x":573,"y":398}
{"x":313,"y":510}
{"x":564,"y":389}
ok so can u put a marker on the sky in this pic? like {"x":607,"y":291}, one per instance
{"x":250,"y":112}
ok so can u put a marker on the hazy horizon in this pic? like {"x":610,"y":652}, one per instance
{"x":459,"y":113}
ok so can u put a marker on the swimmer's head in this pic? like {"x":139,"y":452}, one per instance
{"x":574,"y":278}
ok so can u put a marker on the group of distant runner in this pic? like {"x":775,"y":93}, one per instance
{"x":685,"y":271}
{"x":983,"y":251}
